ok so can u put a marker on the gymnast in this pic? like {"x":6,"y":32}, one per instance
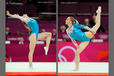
{"x":32,"y":25}
{"x":75,"y":33}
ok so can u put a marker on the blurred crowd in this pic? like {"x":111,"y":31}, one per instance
{"x":27,"y":32}
{"x":8,"y":32}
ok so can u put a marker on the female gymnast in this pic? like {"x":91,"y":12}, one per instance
{"x":75,"y":33}
{"x":32,"y":25}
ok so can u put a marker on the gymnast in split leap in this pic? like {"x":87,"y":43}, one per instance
{"x":75,"y":33}
{"x":32,"y":25}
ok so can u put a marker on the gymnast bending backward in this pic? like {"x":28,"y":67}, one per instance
{"x":75,"y":33}
{"x":32,"y":25}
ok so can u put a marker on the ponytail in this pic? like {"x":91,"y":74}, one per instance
{"x":74,"y":21}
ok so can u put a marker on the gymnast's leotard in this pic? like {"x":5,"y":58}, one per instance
{"x":34,"y":27}
{"x":74,"y":32}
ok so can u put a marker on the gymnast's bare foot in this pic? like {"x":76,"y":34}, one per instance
{"x":46,"y":50}
{"x":76,"y":69}
{"x":30,"y":65}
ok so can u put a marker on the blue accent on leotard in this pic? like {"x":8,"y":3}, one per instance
{"x":34,"y":27}
{"x":77,"y":34}
{"x":74,"y":19}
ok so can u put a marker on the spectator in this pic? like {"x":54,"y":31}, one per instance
{"x":21,"y":41}
{"x":43,"y":30}
{"x":54,"y":32}
{"x":62,"y":29}
{"x":86,"y":23}
{"x":17,"y":33}
{"x":64,"y":40}
{"x":93,"y":22}
{"x":8,"y":31}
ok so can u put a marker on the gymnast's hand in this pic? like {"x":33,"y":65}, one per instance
{"x":8,"y":13}
{"x":29,"y":30}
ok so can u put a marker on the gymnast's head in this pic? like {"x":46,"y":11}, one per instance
{"x":70,"y":21}
{"x":25,"y":16}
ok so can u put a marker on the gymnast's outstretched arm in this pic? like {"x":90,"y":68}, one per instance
{"x":26,"y":20}
{"x":89,"y":29}
{"x":86,"y":28}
